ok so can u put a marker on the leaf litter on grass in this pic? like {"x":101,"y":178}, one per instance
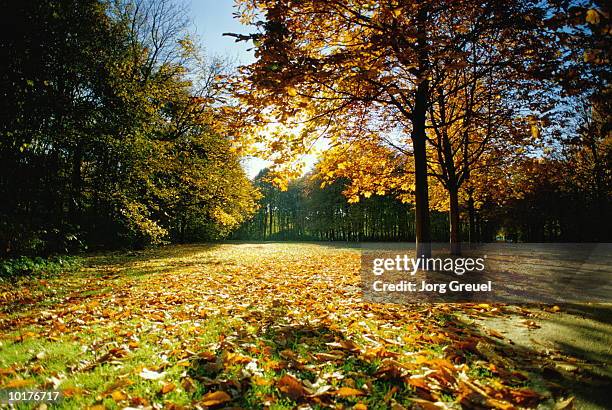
{"x":254,"y":326}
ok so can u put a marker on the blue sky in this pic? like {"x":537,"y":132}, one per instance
{"x":211,"y":19}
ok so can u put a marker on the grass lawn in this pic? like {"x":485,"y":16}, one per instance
{"x":267,"y":325}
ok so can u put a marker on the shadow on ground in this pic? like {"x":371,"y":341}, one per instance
{"x":572,"y":347}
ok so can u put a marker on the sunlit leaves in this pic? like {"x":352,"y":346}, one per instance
{"x":592,"y":16}
{"x":301,"y":335}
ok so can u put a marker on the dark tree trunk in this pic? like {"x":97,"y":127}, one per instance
{"x":183,"y":224}
{"x":75,"y":201}
{"x":455,"y":239}
{"x":421,"y":214}
{"x":271,"y":222}
{"x":471,"y":217}
{"x":419,"y":140}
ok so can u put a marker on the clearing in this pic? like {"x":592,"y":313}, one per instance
{"x":280,"y":326}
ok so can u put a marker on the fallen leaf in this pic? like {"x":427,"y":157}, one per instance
{"x":260,"y":381}
{"x":71,"y":391}
{"x":118,"y":395}
{"x":215,"y":398}
{"x":425,"y":404}
{"x":565,"y":404}
{"x":348,"y":391}
{"x":15,"y":384}
{"x":291,"y":386}
{"x":167,"y":388}
{"x":495,"y":333}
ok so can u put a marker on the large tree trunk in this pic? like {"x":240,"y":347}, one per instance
{"x":419,"y":140}
{"x":423,"y":238}
{"x":455,"y":240}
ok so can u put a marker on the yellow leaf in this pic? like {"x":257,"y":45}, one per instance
{"x":291,"y":91}
{"x":215,"y":398}
{"x":592,"y":16}
{"x":348,"y":391}
{"x":15,"y":384}
{"x":260,"y":381}
{"x":118,"y":395}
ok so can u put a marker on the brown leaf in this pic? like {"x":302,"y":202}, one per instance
{"x":424,"y":404}
{"x":288,"y":354}
{"x":531,"y":324}
{"x":291,"y":386}
{"x":6,"y":371}
{"x":188,"y":384}
{"x":324,"y":357}
{"x":495,"y":333}
{"x":215,"y":398}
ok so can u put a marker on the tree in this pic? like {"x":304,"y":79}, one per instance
{"x":353,"y":71}
{"x":110,"y":134}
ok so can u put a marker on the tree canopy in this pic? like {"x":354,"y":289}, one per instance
{"x":421,"y":91}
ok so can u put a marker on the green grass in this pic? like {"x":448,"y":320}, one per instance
{"x":232,"y":318}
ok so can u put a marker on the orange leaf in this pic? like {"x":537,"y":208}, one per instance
{"x":291,"y":386}
{"x":348,"y":391}
{"x":71,"y":391}
{"x":215,"y":398}
{"x":167,"y":388}
{"x":15,"y":384}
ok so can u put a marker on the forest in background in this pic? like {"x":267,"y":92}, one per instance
{"x":547,"y":200}
{"x":440,"y":122}
{"x":109,"y":130}
{"x":493,"y":118}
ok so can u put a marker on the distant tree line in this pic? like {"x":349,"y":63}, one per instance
{"x":109,"y":134}
{"x":305,"y":211}
{"x":561,"y":199}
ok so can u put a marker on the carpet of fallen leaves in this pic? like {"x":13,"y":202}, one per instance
{"x":251,"y":326}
